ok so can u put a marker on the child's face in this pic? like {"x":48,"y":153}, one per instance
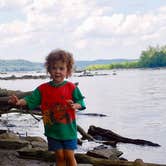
{"x":58,"y":72}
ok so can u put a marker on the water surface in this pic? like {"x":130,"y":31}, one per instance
{"x":133,"y":100}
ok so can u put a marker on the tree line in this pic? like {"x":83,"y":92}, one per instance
{"x":19,"y":65}
{"x":151,"y":58}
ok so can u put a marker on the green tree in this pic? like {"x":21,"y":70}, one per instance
{"x":153,"y":57}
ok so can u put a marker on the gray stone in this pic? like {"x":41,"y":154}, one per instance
{"x":112,"y":153}
{"x":13,"y":144}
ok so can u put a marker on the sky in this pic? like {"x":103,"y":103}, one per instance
{"x":89,"y":29}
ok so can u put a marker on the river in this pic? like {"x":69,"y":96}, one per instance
{"x":133,"y":100}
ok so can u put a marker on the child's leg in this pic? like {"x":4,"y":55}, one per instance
{"x":60,"y":158}
{"x":70,"y":158}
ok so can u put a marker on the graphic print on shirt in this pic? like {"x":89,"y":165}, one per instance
{"x":57,"y":113}
{"x":54,"y":104}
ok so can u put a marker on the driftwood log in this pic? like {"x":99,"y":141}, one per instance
{"x":108,"y":135}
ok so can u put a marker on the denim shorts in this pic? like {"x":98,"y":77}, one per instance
{"x":54,"y":144}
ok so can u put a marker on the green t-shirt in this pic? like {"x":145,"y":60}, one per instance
{"x":59,"y":119}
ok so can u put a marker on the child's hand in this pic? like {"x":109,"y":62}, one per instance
{"x":16,"y":101}
{"x":13,"y":99}
{"x":73,"y":105}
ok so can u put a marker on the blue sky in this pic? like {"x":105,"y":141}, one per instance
{"x":95,"y":29}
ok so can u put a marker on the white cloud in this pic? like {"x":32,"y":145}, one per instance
{"x":79,"y":26}
{"x":14,"y":4}
{"x":138,"y":26}
{"x":162,"y":9}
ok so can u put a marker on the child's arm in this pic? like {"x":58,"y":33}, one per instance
{"x":16,"y":101}
{"x":32,"y":101}
{"x":78,"y":100}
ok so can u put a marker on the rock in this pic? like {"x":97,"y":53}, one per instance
{"x":37,"y":142}
{"x":10,"y":158}
{"x":138,"y":162}
{"x":37,"y":154}
{"x":38,"y":139}
{"x":9,"y":135}
{"x":111,"y":153}
{"x":9,"y":140}
{"x":3,"y":131}
{"x":13,"y":144}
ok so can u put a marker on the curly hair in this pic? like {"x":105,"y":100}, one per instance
{"x":60,"y":55}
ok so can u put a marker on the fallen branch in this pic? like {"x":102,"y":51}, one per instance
{"x":108,"y":135}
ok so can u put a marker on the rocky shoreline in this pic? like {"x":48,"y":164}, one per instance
{"x":17,"y":150}
{"x":10,"y":143}
{"x":45,"y":76}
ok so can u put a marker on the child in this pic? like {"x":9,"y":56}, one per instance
{"x":58,"y":100}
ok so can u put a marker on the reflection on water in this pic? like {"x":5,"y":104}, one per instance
{"x":134,"y":101}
